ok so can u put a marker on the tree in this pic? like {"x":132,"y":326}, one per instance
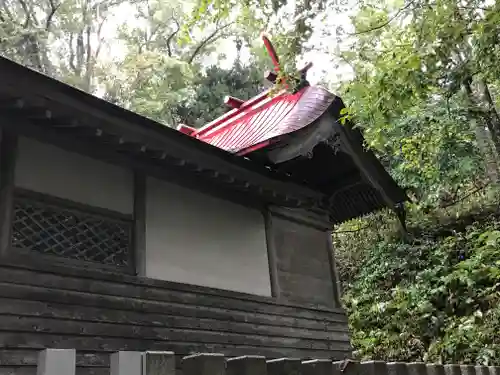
{"x":210,"y":88}
{"x":163,"y":77}
{"x":418,"y":92}
{"x":291,"y":24}
{"x":61,"y":38}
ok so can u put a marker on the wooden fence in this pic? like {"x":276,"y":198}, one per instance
{"x":63,"y":362}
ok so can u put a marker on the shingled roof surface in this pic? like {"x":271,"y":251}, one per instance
{"x":263,"y":119}
{"x":354,"y":180}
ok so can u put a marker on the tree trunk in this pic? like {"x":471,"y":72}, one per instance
{"x":487,"y":151}
{"x":489,"y":118}
{"x":486,"y":135}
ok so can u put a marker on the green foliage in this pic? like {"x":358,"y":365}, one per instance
{"x":420,"y":95}
{"x":210,"y":88}
{"x":431,"y":300}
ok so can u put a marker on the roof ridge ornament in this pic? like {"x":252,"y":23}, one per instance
{"x":273,"y":76}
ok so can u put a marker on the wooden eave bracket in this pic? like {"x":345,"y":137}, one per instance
{"x":117,"y":142}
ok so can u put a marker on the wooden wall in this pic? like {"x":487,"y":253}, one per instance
{"x":301,"y":258}
{"x":97,"y":312}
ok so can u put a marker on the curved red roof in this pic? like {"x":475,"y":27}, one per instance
{"x":264,"y":118}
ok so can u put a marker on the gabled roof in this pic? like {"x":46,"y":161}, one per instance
{"x":35,"y":105}
{"x":301,"y":134}
{"x":353,"y":182}
{"x":260,"y":121}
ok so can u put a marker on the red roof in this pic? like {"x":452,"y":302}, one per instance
{"x":264,"y":119}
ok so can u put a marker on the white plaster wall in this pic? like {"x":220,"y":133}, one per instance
{"x":50,"y":170}
{"x":196,"y":239}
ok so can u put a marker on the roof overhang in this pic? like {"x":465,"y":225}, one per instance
{"x":302,"y":134}
{"x":32,"y":104}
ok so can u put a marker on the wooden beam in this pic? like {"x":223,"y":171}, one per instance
{"x":303,"y":217}
{"x":233,"y":102}
{"x":140,"y":223}
{"x":8,"y":155}
{"x":14,"y":103}
{"x":272,"y":257}
{"x":66,"y":100}
{"x":337,"y":291}
{"x":160,"y":170}
{"x":270,"y":76}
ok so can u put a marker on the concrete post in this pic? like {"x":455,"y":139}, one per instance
{"x":468,"y":370}
{"x":433,"y":369}
{"x":482,"y":370}
{"x":417,"y":368}
{"x":284,"y":366}
{"x":397,"y":368}
{"x":452,"y":370}
{"x":247,"y":365}
{"x":347,"y":367}
{"x":126,"y":363}
{"x":56,"y":362}
{"x":319,"y":367}
{"x":204,"y":364}
{"x":158,"y":363}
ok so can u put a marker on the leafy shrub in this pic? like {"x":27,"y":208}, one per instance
{"x":436,"y":299}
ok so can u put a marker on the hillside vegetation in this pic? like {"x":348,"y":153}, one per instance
{"x":435,"y":298}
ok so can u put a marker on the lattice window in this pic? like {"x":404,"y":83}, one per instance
{"x":66,"y":232}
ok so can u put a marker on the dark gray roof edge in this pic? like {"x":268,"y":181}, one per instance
{"x":18,"y":79}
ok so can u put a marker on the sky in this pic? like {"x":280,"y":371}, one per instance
{"x":323,"y":66}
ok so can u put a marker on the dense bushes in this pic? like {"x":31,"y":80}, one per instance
{"x":435,"y":299}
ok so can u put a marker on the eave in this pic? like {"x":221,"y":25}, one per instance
{"x":35,"y":105}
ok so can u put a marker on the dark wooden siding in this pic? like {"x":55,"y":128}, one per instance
{"x":303,"y":262}
{"x":98,"y":312}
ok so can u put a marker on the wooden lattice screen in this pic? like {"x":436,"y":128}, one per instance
{"x":53,"y":229}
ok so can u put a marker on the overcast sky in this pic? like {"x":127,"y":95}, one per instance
{"x":321,"y":57}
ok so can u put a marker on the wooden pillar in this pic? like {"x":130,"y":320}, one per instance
{"x":272,"y":257}
{"x":8,"y":153}
{"x":337,"y":290}
{"x":139,"y":223}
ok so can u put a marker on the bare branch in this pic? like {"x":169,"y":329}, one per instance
{"x":71,"y":53}
{"x":171,"y":37}
{"x":26,"y":12}
{"x":101,"y":39}
{"x":7,"y":11}
{"x":53,"y":10}
{"x":382,"y":25}
{"x":211,"y":38}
